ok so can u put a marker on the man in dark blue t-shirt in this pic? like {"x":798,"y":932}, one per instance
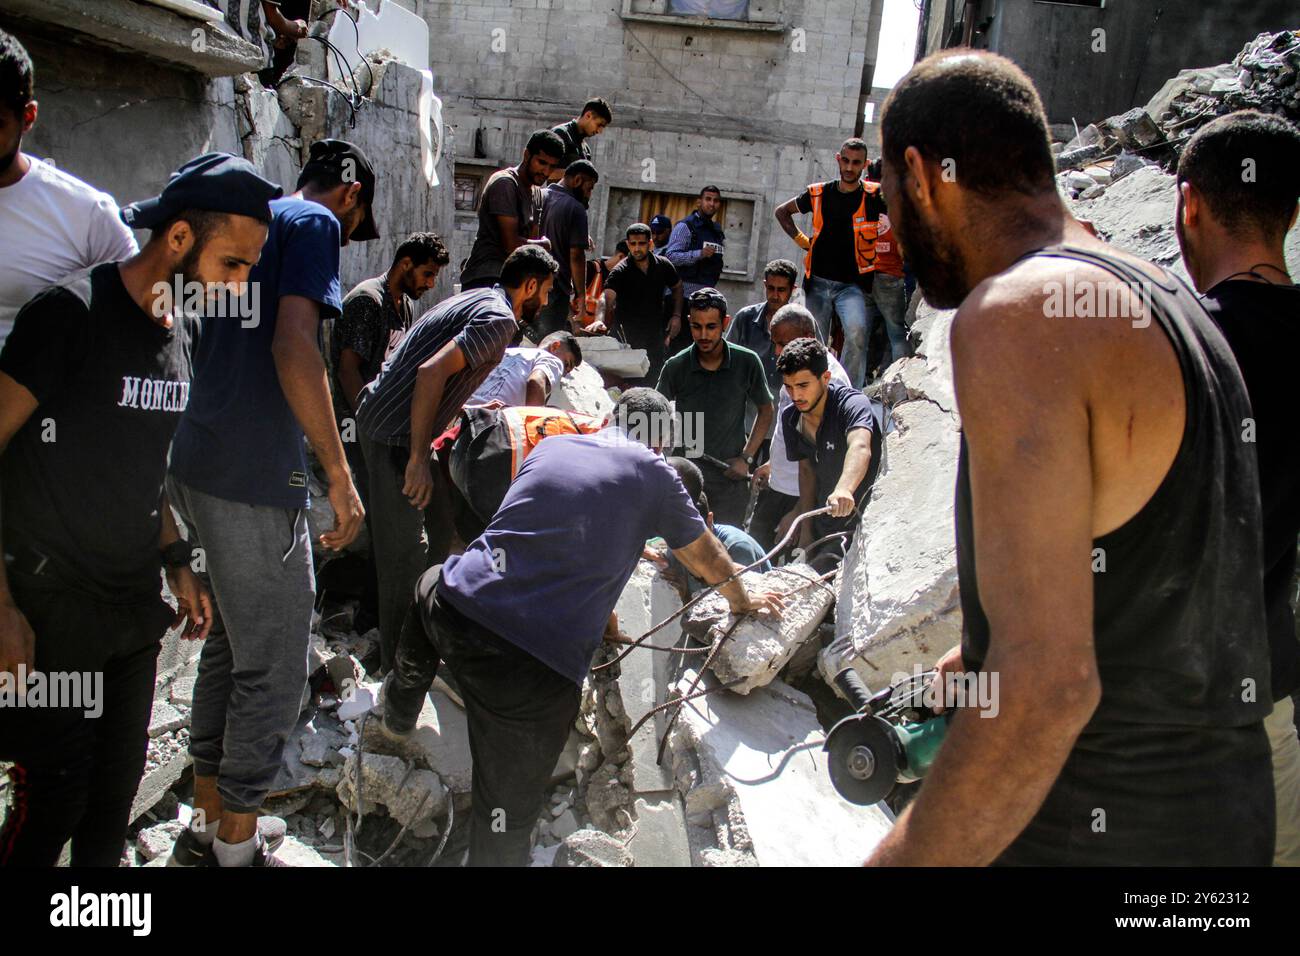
{"x":520,"y":614}
{"x":239,"y":480}
{"x":830,"y":430}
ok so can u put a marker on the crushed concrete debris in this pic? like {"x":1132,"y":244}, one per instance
{"x":760,"y":646}
{"x":412,"y":796}
{"x":439,"y":742}
{"x":1263,"y":76}
{"x":583,"y":391}
{"x":755,"y":784}
{"x":592,"y":848}
{"x":157,"y":840}
{"x":166,"y":718}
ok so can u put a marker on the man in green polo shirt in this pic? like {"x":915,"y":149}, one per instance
{"x":711,"y":381}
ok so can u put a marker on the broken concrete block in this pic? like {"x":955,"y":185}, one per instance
{"x":754,"y":779}
{"x":320,"y":746}
{"x":360,"y":701}
{"x":394,"y":784}
{"x":1077,"y":180}
{"x":1093,"y":191}
{"x":660,"y":837}
{"x":583,"y":391}
{"x":1124,"y":164}
{"x":165,"y":718}
{"x":182,"y":691}
{"x":608,"y":354}
{"x":646,"y":600}
{"x":1136,"y":130}
{"x":439,"y":742}
{"x":563,"y":825}
{"x":898,"y":602}
{"x":293,"y":852}
{"x":157,"y":840}
{"x":166,"y":760}
{"x":761,"y":645}
{"x":592,"y":848}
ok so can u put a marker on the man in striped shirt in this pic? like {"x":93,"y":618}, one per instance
{"x":418,"y":393}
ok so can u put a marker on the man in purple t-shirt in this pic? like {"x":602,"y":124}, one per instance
{"x":520,"y":614}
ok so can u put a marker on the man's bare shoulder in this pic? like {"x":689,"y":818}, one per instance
{"x":1048,"y":309}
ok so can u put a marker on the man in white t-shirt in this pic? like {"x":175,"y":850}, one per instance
{"x":527,"y":376}
{"x":778,"y":478}
{"x":51,"y":223}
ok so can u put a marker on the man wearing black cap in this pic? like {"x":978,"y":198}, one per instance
{"x":239,"y":480}
{"x":93,"y":380}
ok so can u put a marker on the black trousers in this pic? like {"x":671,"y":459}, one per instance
{"x":77,"y":768}
{"x":769,"y":509}
{"x":727,"y":499}
{"x":519,"y":712}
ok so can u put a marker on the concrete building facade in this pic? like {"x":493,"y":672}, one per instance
{"x":1097,"y":58}
{"x":756,"y":106}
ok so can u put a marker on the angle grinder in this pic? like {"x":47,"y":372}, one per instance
{"x":892,"y":739}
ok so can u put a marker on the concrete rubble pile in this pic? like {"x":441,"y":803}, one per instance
{"x":733,"y":766}
{"x":1264,"y":76}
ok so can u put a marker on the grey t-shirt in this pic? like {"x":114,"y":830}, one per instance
{"x":506,"y":194}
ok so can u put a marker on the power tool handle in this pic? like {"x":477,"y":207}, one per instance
{"x":854,"y":689}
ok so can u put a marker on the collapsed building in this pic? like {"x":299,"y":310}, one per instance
{"x":708,"y":749}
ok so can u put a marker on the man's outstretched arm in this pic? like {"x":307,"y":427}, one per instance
{"x":1031,"y":483}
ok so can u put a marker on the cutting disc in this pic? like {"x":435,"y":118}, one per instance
{"x":863,"y":759}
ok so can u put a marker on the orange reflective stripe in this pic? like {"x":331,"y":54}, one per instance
{"x":864,"y":231}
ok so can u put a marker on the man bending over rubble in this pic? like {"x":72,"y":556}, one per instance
{"x":1108,"y":541}
{"x":1232,"y":229}
{"x":519,"y":615}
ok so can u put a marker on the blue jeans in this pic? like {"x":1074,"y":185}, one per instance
{"x":847,"y":300}
{"x":888,"y":300}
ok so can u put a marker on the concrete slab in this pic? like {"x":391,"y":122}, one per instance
{"x":751,"y":768}
{"x":440,"y":742}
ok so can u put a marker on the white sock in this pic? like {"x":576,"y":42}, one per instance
{"x":205,"y":833}
{"x":235,"y":854}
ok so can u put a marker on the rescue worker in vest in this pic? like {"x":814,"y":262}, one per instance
{"x":695,"y":244}
{"x":847,"y":215}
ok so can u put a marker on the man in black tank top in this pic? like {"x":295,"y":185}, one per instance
{"x":1237,"y":198}
{"x":1109,"y":569}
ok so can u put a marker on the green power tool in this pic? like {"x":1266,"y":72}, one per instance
{"x":892,"y":739}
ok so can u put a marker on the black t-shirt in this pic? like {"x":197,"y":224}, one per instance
{"x":506,"y":194}
{"x":83,"y":478}
{"x":1262,"y":324}
{"x":833,"y":256}
{"x":639,"y":295}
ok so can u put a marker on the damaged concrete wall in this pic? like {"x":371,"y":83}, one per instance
{"x":758,"y":112}
{"x":898,"y":604}
{"x":1081,"y":76}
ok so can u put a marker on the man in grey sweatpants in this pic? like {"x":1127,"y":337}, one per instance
{"x":239,"y":483}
